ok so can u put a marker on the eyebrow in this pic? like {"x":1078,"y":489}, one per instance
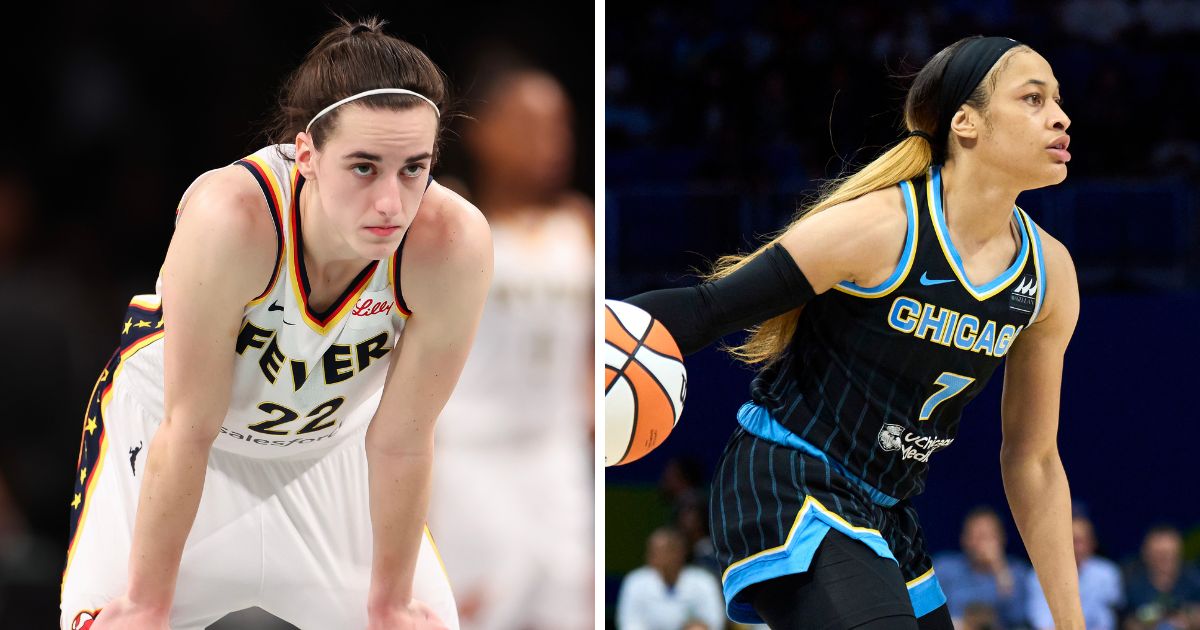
{"x":371,"y":157}
{"x":1037,"y":82}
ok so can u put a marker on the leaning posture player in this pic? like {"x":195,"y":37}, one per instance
{"x":263,"y":436}
{"x":936,"y":276}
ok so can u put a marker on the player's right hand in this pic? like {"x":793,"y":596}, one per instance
{"x":416,"y":616}
{"x":123,"y":614}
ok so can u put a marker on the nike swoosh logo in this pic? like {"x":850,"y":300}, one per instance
{"x":927,"y":282}
{"x":287,"y":322}
{"x":274,"y":307}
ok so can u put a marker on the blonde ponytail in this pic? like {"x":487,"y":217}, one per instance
{"x":909,"y":158}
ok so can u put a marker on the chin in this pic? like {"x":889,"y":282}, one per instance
{"x":376,"y":251}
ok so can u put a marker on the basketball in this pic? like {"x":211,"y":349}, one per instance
{"x":644,"y":383}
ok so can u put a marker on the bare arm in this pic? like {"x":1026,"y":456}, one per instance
{"x":220,"y":257}
{"x":1033,"y":474}
{"x":446,"y":271}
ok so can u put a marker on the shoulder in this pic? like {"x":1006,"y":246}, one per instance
{"x":950,"y":562}
{"x":878,"y":215}
{"x":641,"y":576}
{"x":1061,"y":284}
{"x":224,"y":230}
{"x":447,"y":228}
{"x":697,"y":575}
{"x":231,"y":200}
{"x":858,"y":240}
{"x":448,"y":245}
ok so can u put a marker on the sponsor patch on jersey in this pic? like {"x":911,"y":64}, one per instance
{"x":373,"y":309}
{"x":893,"y":437}
{"x":1024,"y":294}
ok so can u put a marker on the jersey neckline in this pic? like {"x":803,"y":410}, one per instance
{"x":997,"y":284}
{"x":319,"y":321}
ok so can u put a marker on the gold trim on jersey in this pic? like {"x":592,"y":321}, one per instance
{"x":105,"y":399}
{"x":394,"y":283}
{"x":933,"y":195}
{"x":907,"y":256}
{"x":276,"y":208}
{"x":809,"y":503}
{"x":319,"y":325}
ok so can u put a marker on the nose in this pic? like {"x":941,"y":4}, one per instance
{"x":387,"y":203}
{"x":1058,"y":118}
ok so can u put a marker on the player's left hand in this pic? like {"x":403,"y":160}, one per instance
{"x":416,"y":616}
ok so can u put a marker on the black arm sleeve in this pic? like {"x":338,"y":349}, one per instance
{"x":771,"y":284}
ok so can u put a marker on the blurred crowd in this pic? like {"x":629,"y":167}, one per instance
{"x":727,"y":116}
{"x":766,"y":91}
{"x":987,"y":586}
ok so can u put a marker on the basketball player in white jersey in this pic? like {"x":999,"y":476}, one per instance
{"x":513,"y":439}
{"x":264,"y":434}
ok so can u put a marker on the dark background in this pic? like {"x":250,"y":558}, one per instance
{"x":108,"y":114}
{"x":720,"y":119}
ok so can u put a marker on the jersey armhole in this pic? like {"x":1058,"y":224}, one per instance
{"x":397,"y":256}
{"x":906,"y":255}
{"x":269,"y":189}
{"x":1039,"y":261}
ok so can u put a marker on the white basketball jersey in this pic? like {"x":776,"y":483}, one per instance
{"x":302,"y":379}
{"x":530,"y":370}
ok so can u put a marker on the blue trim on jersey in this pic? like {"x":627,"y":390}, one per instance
{"x":926,"y":595}
{"x":906,"y":257}
{"x":939,"y":216}
{"x":758,"y":422}
{"x":1040,"y":258}
{"x":813,"y":522}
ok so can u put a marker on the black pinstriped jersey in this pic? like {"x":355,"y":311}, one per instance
{"x":877,"y":377}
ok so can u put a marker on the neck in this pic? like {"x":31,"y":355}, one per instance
{"x":670,"y":576}
{"x":325,"y":258}
{"x":977,"y":202}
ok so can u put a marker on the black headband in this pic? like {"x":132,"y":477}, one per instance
{"x":963,"y":73}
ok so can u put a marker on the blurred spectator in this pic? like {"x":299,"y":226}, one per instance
{"x":1100,"y":589}
{"x":1160,"y":590}
{"x":978,"y":616}
{"x":692,"y":522}
{"x":682,"y":483}
{"x":981,"y":582}
{"x":522,"y":409}
{"x":666,"y":594}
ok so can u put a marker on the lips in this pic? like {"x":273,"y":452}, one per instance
{"x":1058,"y":148}
{"x":386,"y":230}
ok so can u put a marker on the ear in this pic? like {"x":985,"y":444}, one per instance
{"x":306,"y":155}
{"x":965,"y":123}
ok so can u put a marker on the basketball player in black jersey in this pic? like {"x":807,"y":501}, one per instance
{"x":878,"y":314}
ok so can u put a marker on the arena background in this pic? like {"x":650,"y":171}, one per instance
{"x":109,"y":115}
{"x":721,"y":116}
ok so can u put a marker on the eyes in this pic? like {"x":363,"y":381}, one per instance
{"x":367,"y":169}
{"x":1036,"y":100}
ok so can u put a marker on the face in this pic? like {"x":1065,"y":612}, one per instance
{"x":982,"y":538}
{"x":1024,"y":131}
{"x":370,"y":175}
{"x":524,"y":137}
{"x":1163,"y":552}
{"x":666,"y":552}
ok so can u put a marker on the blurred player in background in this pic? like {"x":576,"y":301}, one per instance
{"x":513,"y":486}
{"x":264,"y":434}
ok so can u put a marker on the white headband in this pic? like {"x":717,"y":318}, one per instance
{"x":372,"y":93}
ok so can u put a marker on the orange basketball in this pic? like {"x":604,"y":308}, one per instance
{"x":644,"y":383}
